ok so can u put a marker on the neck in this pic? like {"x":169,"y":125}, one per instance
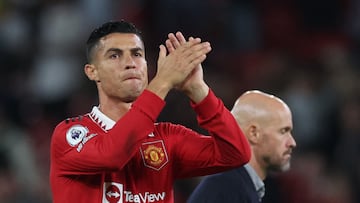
{"x":114,"y":110}
{"x":261,"y":172}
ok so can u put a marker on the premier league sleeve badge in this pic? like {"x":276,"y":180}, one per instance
{"x":76,"y":134}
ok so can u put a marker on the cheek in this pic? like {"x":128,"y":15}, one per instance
{"x":144,"y":71}
{"x":271,"y":147}
{"x":108,"y":77}
{"x":105,"y":69}
{"x":143,"y":66}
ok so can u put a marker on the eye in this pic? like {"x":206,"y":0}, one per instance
{"x":138,"y":54}
{"x":114,"y":56}
{"x":285,"y":130}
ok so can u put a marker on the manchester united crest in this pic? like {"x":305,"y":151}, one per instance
{"x":154,"y":154}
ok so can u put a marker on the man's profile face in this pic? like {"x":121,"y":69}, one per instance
{"x":277,"y":141}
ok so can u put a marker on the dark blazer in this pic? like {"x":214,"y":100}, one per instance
{"x":227,"y":187}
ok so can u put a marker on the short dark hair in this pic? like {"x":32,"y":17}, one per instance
{"x":108,"y":28}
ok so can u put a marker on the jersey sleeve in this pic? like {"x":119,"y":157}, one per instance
{"x":224,"y":148}
{"x":106,"y":151}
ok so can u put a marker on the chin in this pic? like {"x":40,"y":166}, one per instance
{"x":130,"y":98}
{"x":133,"y":95}
{"x":279,"y":167}
{"x":285,"y":167}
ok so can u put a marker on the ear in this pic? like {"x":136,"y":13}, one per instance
{"x":91,"y":72}
{"x":253,"y":133}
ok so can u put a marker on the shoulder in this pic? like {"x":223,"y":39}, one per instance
{"x":220,"y":187}
{"x":68,"y":122}
{"x":227,"y":178}
{"x":78,"y":118}
{"x":235,"y":178}
{"x":74,"y":127}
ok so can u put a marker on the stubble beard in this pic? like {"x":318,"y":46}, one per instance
{"x":277,"y":167}
{"x":133,"y":94}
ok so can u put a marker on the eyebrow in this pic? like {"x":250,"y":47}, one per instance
{"x":117,"y":50}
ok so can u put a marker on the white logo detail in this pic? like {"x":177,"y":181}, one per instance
{"x":113,"y":194}
{"x":144,"y":197}
{"x":151,"y":135}
{"x":84,"y":140}
{"x":76,"y":134}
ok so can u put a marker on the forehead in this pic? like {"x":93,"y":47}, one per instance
{"x":282,"y":118}
{"x":277,"y":116}
{"x":120,"y":40}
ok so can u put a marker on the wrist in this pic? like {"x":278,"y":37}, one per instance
{"x":159,"y":88}
{"x":197,"y":92}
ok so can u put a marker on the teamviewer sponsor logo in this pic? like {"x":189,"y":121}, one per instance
{"x":114,"y":193}
{"x":144,"y":197}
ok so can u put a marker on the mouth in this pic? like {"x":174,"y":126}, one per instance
{"x":132,"y":77}
{"x":288,"y":153}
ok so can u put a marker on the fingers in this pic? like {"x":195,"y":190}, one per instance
{"x":196,"y":50}
{"x":162,"y":52}
{"x":199,"y":52}
{"x":188,"y":50}
{"x":196,"y":61}
{"x":185,"y":52}
{"x":174,"y":41}
{"x":192,"y":52}
{"x":180,"y":37}
{"x":184,"y":56}
{"x":169,"y":46}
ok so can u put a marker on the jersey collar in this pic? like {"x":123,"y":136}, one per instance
{"x":101,"y":119}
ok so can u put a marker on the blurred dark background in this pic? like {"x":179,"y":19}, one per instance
{"x":304,"y":51}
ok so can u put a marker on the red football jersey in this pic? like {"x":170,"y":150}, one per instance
{"x":95,"y":159}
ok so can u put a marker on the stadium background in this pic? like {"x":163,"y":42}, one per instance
{"x":304,"y":51}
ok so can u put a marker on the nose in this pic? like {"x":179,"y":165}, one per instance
{"x":129,"y":62}
{"x":292,"y":142}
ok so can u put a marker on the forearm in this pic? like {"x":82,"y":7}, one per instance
{"x":159,"y":87}
{"x":198,"y":93}
{"x":230,"y":140}
{"x":225,"y":148}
